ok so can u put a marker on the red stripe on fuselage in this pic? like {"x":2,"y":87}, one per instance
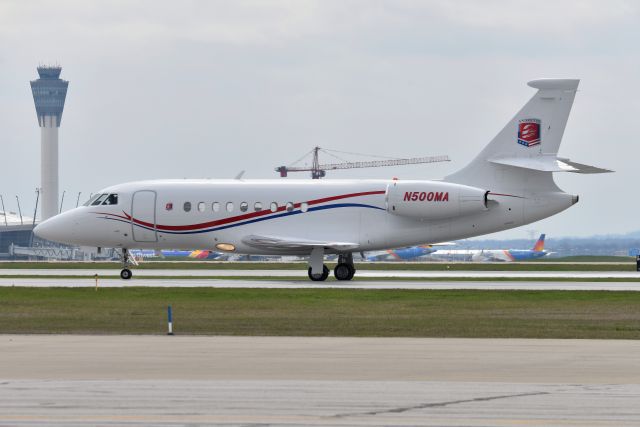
{"x":243,"y":217}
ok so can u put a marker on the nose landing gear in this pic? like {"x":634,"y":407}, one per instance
{"x":127,"y":260}
{"x":126,"y":274}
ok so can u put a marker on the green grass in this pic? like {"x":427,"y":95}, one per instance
{"x":323,"y":312}
{"x":212,"y":265}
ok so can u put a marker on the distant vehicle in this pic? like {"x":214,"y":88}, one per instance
{"x":508,"y":184}
{"x":151,"y":253}
{"x":488,"y":255}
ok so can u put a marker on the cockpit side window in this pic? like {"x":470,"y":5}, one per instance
{"x":112,"y":199}
{"x":100,"y":199}
{"x":91,"y":199}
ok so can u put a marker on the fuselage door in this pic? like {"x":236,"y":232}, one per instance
{"x":143,"y":216}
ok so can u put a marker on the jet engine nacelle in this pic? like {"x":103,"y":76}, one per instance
{"x":432,"y":200}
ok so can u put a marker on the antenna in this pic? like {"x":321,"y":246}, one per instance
{"x":4,"y":211}
{"x":62,"y":201}
{"x":19,"y":211}
{"x":35,"y":211}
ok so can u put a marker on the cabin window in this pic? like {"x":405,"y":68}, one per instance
{"x":257,"y":206}
{"x":304,"y":206}
{"x":289,"y":206}
{"x":187,"y":206}
{"x":229,"y":206}
{"x":274,"y":206}
{"x":215,"y":206}
{"x":112,"y":199}
{"x":169,"y":206}
{"x":244,"y":206}
{"x":99,"y":200}
{"x":201,"y":207}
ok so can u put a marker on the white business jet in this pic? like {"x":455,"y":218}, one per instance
{"x":509,"y":184}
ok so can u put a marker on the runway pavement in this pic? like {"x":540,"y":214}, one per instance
{"x":161,"y":380}
{"x":307,"y":284}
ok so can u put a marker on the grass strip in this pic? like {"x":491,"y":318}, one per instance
{"x":323,"y":312}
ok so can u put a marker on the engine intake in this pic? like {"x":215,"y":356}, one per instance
{"x":434,"y":200}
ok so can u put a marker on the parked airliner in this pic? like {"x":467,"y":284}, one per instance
{"x":506,"y":255}
{"x":404,"y":254}
{"x":509,"y":184}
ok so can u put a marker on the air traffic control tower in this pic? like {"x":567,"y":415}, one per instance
{"x":49,"y":93}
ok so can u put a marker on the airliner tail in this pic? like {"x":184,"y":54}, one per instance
{"x":525,"y":151}
{"x":539,"y":246}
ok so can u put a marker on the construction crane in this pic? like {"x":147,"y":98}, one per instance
{"x":319,"y":170}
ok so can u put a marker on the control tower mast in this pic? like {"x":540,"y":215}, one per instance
{"x":49,"y":93}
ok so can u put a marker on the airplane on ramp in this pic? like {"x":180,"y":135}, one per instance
{"x":401,"y":254}
{"x":509,"y":184}
{"x":488,"y":255}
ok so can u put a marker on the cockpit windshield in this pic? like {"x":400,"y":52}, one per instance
{"x":102,"y":199}
{"x":112,"y":199}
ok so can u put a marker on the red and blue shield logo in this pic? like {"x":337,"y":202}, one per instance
{"x":529,"y":132}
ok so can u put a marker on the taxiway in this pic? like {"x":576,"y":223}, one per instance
{"x":372,"y":283}
{"x":144,"y":380}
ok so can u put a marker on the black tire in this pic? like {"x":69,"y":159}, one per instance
{"x":344,"y":271}
{"x":126,"y":274}
{"x":353,"y":273}
{"x":319,"y":277}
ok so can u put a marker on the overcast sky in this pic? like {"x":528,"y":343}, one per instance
{"x":204,"y":89}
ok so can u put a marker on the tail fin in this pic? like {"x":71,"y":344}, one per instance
{"x":539,"y":246}
{"x":525,"y":150}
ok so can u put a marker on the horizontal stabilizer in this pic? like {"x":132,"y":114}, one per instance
{"x":547,"y":164}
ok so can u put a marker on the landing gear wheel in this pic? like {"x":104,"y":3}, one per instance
{"x":126,"y":274}
{"x":344,"y":271}
{"x":319,"y":277}
{"x":353,"y":273}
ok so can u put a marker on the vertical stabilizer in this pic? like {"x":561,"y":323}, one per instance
{"x":539,"y":246}
{"x":532,"y":136}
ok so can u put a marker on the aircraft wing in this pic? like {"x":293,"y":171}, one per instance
{"x":278,"y":242}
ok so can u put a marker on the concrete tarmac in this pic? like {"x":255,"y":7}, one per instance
{"x":372,"y":283}
{"x":160,"y":380}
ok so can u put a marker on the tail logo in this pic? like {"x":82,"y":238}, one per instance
{"x":529,"y":132}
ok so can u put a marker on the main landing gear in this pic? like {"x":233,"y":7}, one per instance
{"x":345,"y":270}
{"x":318,"y":272}
{"x":127,"y":260}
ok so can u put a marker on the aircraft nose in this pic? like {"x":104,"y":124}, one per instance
{"x":51,"y":229}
